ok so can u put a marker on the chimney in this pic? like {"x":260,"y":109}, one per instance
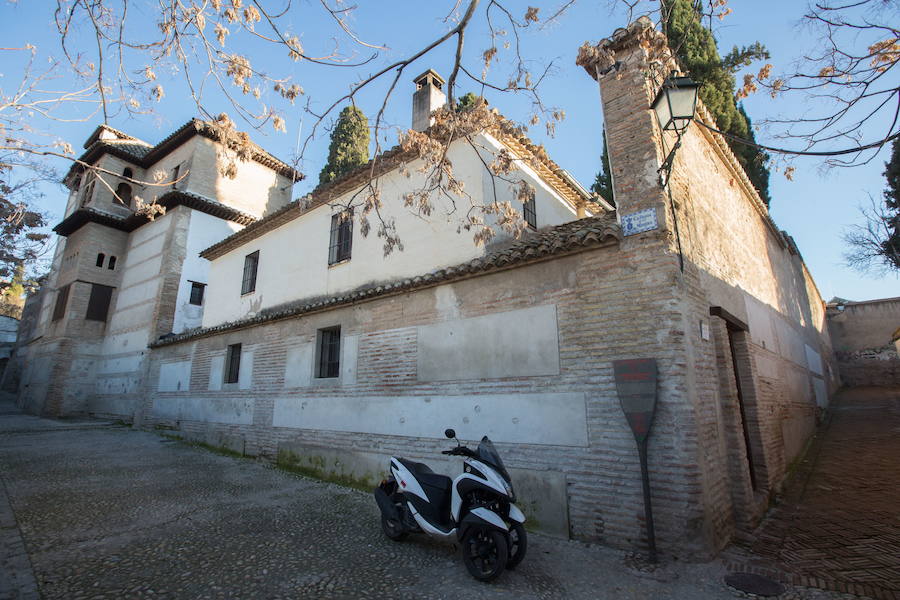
{"x":428,"y":98}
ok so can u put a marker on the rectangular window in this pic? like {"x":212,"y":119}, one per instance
{"x":530,"y":213}
{"x":341,"y":237}
{"x":233,"y":364}
{"x":98,"y":303}
{"x":328,"y":363}
{"x":88,"y":192}
{"x":197,"y":290}
{"x":62,"y":298}
{"x":175,"y":173}
{"x":251,"y":263}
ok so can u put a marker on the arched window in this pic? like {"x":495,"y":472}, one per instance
{"x":112,"y":263}
{"x":128,"y":173}
{"x":123,"y":194}
{"x":100,"y":258}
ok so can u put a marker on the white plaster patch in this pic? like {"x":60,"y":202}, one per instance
{"x":233,"y":411}
{"x":245,"y":375}
{"x":554,"y":418}
{"x":298,"y":366}
{"x":759,"y":324}
{"x":121,"y":364}
{"x":766,"y":366}
{"x":445,"y":302}
{"x":521,"y":342}
{"x":821,"y":391}
{"x":349,"y":352}
{"x":216,"y":370}
{"x":174,"y":377}
{"x":814,"y":361}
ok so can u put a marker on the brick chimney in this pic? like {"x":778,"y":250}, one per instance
{"x":427,"y":98}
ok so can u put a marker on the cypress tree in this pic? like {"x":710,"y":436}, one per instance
{"x":349,"y":146}
{"x":891,"y":246}
{"x":603,"y":182}
{"x":696,"y":49}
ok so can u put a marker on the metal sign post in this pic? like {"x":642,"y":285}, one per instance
{"x":636,"y":388}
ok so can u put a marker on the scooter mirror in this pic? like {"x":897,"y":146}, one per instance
{"x":450,"y":434}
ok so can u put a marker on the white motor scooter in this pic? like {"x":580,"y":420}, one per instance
{"x":475,"y":509}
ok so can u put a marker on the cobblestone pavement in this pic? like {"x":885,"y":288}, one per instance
{"x":839,"y":520}
{"x":110,"y":512}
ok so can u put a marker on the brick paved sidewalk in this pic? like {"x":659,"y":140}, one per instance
{"x":838,"y":526}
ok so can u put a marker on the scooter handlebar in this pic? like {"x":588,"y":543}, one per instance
{"x":459,"y":451}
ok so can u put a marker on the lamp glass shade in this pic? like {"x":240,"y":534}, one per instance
{"x":675,"y":103}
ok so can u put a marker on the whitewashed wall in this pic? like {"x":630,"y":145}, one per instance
{"x":203,"y":231}
{"x":293,"y":261}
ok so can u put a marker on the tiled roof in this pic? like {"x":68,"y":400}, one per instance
{"x":205,"y":205}
{"x":563,"y":239}
{"x":376,"y":167}
{"x":145,"y":155}
{"x":170,"y":199}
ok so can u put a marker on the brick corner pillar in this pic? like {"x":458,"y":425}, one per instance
{"x":629,"y":67}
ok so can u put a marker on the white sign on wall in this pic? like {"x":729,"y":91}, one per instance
{"x":639,"y":222}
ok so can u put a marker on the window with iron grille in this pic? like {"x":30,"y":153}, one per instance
{"x":62,"y":298}
{"x":341,"y":237}
{"x":530,"y":213}
{"x":328,"y":352}
{"x":98,"y":303}
{"x":233,"y":364}
{"x":197,"y":290}
{"x":251,"y":263}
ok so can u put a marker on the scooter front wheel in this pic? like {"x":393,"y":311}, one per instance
{"x":518,"y":545}
{"x":485,"y":553}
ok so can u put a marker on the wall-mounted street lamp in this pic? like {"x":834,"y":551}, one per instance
{"x":674,"y":105}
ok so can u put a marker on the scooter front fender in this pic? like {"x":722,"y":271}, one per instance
{"x":481,"y":517}
{"x":515,"y":514}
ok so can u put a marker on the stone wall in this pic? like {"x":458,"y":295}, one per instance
{"x":863,"y":334}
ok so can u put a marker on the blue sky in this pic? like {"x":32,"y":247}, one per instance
{"x":814,"y":208}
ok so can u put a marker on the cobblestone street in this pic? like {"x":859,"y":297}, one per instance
{"x":839,"y":521}
{"x":110,"y":512}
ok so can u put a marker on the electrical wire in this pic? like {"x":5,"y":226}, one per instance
{"x":741,"y":140}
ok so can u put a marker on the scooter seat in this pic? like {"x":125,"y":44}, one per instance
{"x":426,"y":476}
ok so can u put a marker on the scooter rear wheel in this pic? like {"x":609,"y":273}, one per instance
{"x":393,"y":529}
{"x":485,"y":553}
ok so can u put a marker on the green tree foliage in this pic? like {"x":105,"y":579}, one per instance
{"x":21,"y":241}
{"x":603,"y":182}
{"x":698,"y":54}
{"x":349,"y":146}
{"x":468,"y":101}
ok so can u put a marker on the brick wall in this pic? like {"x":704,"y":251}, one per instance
{"x":736,"y":261}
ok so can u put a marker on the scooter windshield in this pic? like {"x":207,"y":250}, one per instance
{"x":487,"y":453}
